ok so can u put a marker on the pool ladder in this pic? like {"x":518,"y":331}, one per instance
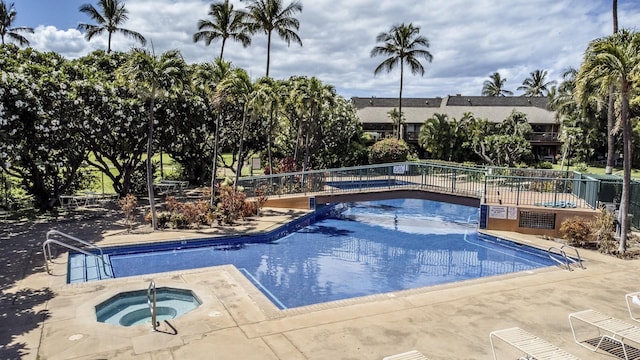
{"x":46,"y":249}
{"x":566,"y":260}
{"x":152,"y":298}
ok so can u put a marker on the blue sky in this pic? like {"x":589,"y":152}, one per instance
{"x":470,"y":39}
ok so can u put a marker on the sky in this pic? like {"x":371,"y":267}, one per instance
{"x":469,"y":39}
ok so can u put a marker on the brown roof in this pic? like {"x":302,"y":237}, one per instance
{"x":493,"y":108}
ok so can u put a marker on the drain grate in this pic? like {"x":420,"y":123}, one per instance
{"x":614,"y":348}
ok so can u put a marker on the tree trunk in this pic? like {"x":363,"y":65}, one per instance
{"x":152,"y":204}
{"x":626,"y":179}
{"x":240,"y":161}
{"x":611,"y":138}
{"x":400,"y":100}
{"x":214,"y":171}
{"x":268,"y":52}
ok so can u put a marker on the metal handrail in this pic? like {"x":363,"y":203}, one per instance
{"x":46,"y":249}
{"x":574,"y":261}
{"x":151,"y":302}
{"x":553,"y":251}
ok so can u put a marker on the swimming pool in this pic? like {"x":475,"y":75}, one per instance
{"x":365,"y":248}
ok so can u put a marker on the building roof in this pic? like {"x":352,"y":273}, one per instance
{"x":493,"y":108}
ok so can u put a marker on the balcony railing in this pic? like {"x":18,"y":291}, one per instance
{"x":543,"y":136}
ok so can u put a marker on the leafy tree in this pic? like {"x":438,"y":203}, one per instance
{"x":238,"y":85}
{"x":226,"y":23}
{"x":503,"y":145}
{"x":436,"y":137}
{"x":41,"y":143}
{"x":536,"y":84}
{"x":334,"y":135}
{"x":153,"y":76}
{"x":397,"y":121}
{"x":267,"y":99}
{"x":110,"y":110}
{"x":495,"y":86}
{"x":8,"y":15}
{"x":207,"y":77}
{"x":269,"y":15}
{"x":402,"y":44}
{"x":609,"y":61}
{"x":110,"y":15}
{"x":311,"y":97}
{"x":388,"y":150}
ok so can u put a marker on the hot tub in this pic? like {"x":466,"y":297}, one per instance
{"x":131,"y":308}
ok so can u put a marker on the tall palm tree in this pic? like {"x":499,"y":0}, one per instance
{"x":209,"y":76}
{"x":109,"y":17}
{"x":402,"y":44}
{"x":608,"y":61}
{"x":153,"y":76}
{"x":611,"y":121}
{"x":269,"y":16}
{"x":226,"y":23}
{"x":536,"y":84}
{"x":268,"y":99}
{"x":8,"y":15}
{"x":495,"y":86}
{"x":238,"y":86}
{"x":311,"y":97}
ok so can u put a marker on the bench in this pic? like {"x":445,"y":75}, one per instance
{"x":608,"y":328}
{"x":530,"y":345}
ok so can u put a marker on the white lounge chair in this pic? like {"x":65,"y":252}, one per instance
{"x":609,"y":330}
{"x":633,"y":301}
{"x":409,"y":355}
{"x":530,"y":345}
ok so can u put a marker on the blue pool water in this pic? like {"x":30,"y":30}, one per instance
{"x":367,"y":248}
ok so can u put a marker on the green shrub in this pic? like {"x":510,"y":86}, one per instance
{"x":388,"y":150}
{"x":164,"y":218}
{"x":581,"y":167}
{"x":179,"y":221}
{"x":544,"y":165}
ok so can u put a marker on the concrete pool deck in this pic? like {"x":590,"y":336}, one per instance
{"x":44,"y":318}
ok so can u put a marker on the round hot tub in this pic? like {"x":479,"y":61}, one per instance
{"x":132,"y":308}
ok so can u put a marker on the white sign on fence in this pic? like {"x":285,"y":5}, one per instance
{"x":399,"y":169}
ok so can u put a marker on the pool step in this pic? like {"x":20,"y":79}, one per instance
{"x":83,"y":268}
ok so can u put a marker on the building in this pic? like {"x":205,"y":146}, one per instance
{"x":373,"y":113}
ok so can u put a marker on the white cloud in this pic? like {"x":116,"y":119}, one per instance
{"x":469,"y":40}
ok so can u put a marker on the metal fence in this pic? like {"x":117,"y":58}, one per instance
{"x":491,"y":185}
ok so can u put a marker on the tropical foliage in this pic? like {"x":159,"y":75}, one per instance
{"x":495,"y":86}
{"x":60,"y":117}
{"x":226,"y":23}
{"x":269,"y":16}
{"x":402,"y":45}
{"x":8,"y":31}
{"x":109,"y":16}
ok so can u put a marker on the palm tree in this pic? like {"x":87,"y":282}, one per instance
{"x":153,"y":76}
{"x":7,"y":17}
{"x":536,"y":84}
{"x":269,"y":16}
{"x":402,"y":44}
{"x":608,"y":61}
{"x":238,"y":85}
{"x":112,"y":14}
{"x":495,"y":86}
{"x":611,"y":136}
{"x":310,"y":96}
{"x":268,"y":99}
{"x":227,"y":23}
{"x":209,"y":76}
